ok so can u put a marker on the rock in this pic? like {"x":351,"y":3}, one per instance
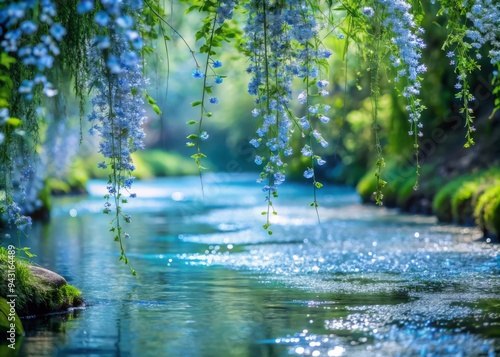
{"x":48,"y":277}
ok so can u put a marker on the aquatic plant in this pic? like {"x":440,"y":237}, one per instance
{"x":106,"y":44}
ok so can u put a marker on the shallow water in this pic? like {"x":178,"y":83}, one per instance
{"x":365,"y":282}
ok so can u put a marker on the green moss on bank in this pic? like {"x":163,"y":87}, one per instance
{"x":35,"y":296}
{"x":456,"y":201}
{"x":487,"y":210}
{"x":400,"y":190}
{"x":148,"y":163}
{"x":468,"y":199}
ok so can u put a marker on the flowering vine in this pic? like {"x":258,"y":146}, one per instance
{"x":118,"y":113}
{"x":23,"y":69}
{"x":471,"y":24}
{"x":396,"y":35}
{"x":214,"y":32}
{"x":282,"y":44}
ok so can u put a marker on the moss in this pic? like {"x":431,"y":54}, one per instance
{"x":395,"y":174}
{"x":441,"y":205}
{"x":487,"y":210}
{"x":33,"y":295}
{"x":405,"y":192}
{"x":455,"y":201}
{"x":162,"y":163}
{"x":461,"y":201}
{"x":367,"y":186}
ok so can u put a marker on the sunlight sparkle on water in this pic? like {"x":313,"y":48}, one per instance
{"x":177,"y":196}
{"x":337,"y":351}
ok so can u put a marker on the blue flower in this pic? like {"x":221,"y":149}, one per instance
{"x":306,"y":151}
{"x":320,"y":161}
{"x":28,"y":27}
{"x":102,"y":18}
{"x":308,"y":173}
{"x":197,"y":74}
{"x":25,"y":87}
{"x":58,"y":31}
{"x":84,"y":6}
{"x":322,"y":83}
{"x":128,"y":182}
{"x":218,"y":80}
{"x":368,"y":11}
{"x":258,"y":160}
{"x":204,"y":135}
{"x":214,"y":100}
{"x":313,"y":109}
{"x":323,"y":118}
{"x":114,"y":65}
{"x":217,"y":64}
{"x":125,"y":21}
{"x":130,"y":58}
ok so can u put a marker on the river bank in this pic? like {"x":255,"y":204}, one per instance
{"x":470,"y":199}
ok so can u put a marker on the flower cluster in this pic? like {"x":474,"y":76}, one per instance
{"x":16,"y":23}
{"x":484,"y":15}
{"x":399,"y":21}
{"x":279,"y":40}
{"x":225,"y":10}
{"x":118,"y":106}
{"x":118,"y":82}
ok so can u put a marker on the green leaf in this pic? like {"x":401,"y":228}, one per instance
{"x":15,"y":122}
{"x":191,"y":122}
{"x":318,"y":184}
{"x":191,"y":8}
{"x":26,"y":251}
{"x":192,"y":136}
{"x":150,"y":99}
{"x":156,"y":109}
{"x":190,"y":144}
{"x":6,"y":60}
{"x":195,"y":104}
{"x":198,"y":156}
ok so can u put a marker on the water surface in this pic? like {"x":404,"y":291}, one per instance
{"x":365,"y":282}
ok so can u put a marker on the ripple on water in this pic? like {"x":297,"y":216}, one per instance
{"x":388,"y":342}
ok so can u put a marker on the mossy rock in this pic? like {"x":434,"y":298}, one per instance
{"x":487,"y":211}
{"x":39,"y":291}
{"x":441,"y":205}
{"x":461,"y":202}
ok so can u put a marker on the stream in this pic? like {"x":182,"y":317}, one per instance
{"x":366,"y":281}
